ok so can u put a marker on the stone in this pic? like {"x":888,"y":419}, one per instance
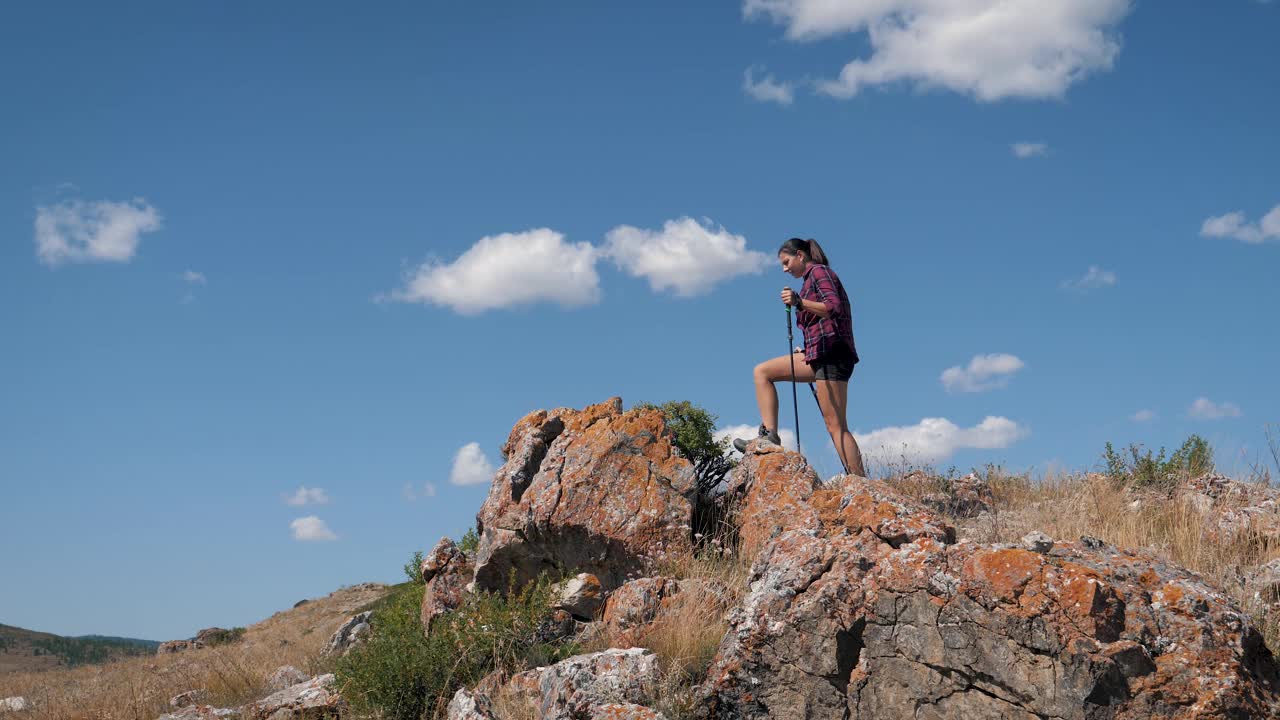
{"x":583,"y":686}
{"x":581,"y":596}
{"x":202,"y":712}
{"x":315,"y":699}
{"x":772,"y":492}
{"x":188,"y":698}
{"x":285,"y":676}
{"x":348,"y":635}
{"x":446,"y":572}
{"x":1037,"y":542}
{"x":963,"y":497}
{"x":594,"y":490}
{"x":879,"y":613}
{"x":634,"y":608}
{"x":176,"y":646}
{"x":14,"y":704}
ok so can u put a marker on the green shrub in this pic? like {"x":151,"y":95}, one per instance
{"x":469,"y":541}
{"x":693,"y":433}
{"x":398,"y":674}
{"x":1142,"y":468}
{"x":413,"y":568}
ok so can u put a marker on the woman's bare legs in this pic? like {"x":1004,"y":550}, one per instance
{"x":833,"y":398}
{"x":775,"y":370}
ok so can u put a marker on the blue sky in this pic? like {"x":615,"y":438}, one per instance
{"x":297,"y":253}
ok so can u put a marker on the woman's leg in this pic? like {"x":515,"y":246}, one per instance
{"x":771,"y":371}
{"x":833,"y":398}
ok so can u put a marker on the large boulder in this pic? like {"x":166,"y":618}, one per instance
{"x":14,"y":704}
{"x":594,"y":490}
{"x":609,"y":684}
{"x":352,"y":631}
{"x":446,"y":572}
{"x":876,"y":612}
{"x":771,"y":492}
{"x":633,"y":609}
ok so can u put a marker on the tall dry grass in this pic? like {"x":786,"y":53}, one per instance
{"x":1067,"y":506}
{"x":139,"y":688}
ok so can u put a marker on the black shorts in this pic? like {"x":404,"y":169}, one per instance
{"x":836,"y":365}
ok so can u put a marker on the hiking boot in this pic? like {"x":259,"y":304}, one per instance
{"x":769,"y":436}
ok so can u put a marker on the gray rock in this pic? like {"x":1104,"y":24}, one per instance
{"x":1037,"y":542}
{"x":581,"y":596}
{"x":348,"y":636}
{"x":315,"y":699}
{"x":285,"y":676}
{"x":203,"y":712}
{"x":190,"y":697}
{"x":583,"y":686}
{"x":14,"y":704}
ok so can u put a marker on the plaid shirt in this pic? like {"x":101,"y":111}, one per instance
{"x":823,"y":334}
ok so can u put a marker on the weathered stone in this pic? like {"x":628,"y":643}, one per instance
{"x":583,"y":686}
{"x":176,"y":646}
{"x":772,"y":487}
{"x":203,"y":712}
{"x":581,"y":596}
{"x":14,"y":704}
{"x":963,"y":497}
{"x":315,"y":699}
{"x":188,"y":698}
{"x":633,"y":608}
{"x":624,"y":711}
{"x":446,"y":572}
{"x":853,"y":504}
{"x":285,"y":676}
{"x":594,"y":490}
{"x":348,"y":635}
{"x":1037,"y":542}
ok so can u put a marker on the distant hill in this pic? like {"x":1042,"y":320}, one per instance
{"x":25,"y":650}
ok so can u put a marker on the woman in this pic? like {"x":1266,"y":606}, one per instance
{"x":823,"y":314}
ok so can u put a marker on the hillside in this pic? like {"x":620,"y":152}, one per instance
{"x":232,"y":673}
{"x":28,"y":650}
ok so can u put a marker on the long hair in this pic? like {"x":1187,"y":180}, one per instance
{"x":810,"y":248}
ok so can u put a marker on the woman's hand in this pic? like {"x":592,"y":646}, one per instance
{"x":790,"y":297}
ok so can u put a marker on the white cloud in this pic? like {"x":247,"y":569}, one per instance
{"x":985,"y":372}
{"x":935,"y":439}
{"x":767,"y":89}
{"x":103,"y":231}
{"x":311,"y":528}
{"x":411,"y":494}
{"x":308,"y":496}
{"x":471,"y":467}
{"x":751,"y":432}
{"x":1233,"y":225}
{"x":1024,"y":150}
{"x":1205,"y":409}
{"x":1093,"y":279}
{"x":685,"y":256}
{"x":1143,"y":416}
{"x":990,"y":49}
{"x":194,"y":278}
{"x":507,"y":270}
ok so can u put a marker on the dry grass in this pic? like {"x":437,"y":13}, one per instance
{"x":139,"y":688}
{"x":1068,"y":506}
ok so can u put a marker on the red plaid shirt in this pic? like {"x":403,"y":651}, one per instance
{"x":823,"y":334}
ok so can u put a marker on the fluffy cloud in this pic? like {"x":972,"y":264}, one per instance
{"x":1143,"y":416}
{"x":311,"y":528}
{"x":307,"y":496}
{"x":1025,"y":150}
{"x":935,"y":439}
{"x":985,"y":372}
{"x":471,"y":467}
{"x":990,"y":49}
{"x":685,"y":256}
{"x":767,"y":89}
{"x":1093,"y":279}
{"x":751,"y":432}
{"x":1233,"y":225}
{"x":507,"y":270}
{"x":76,"y":231}
{"x":1205,"y":409}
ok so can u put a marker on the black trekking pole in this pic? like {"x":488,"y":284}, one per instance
{"x":795,"y":404}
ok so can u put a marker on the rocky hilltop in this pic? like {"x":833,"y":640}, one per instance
{"x":860,"y":602}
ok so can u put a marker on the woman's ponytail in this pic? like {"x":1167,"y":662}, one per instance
{"x":810,"y":248}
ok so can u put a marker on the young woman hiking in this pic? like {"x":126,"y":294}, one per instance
{"x":824,"y":316}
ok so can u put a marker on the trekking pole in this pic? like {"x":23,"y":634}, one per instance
{"x":795,"y":404}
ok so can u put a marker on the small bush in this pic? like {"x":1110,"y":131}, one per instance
{"x":400,"y":674}
{"x":413,"y":568}
{"x":219,"y":636}
{"x":693,"y":433}
{"x":469,"y":541}
{"x":1142,"y":468}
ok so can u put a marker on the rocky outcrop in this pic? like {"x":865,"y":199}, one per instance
{"x":1234,"y":509}
{"x":772,"y":493}
{"x":633,"y":608}
{"x":348,"y":635}
{"x":581,"y":596}
{"x":594,"y":490}
{"x":14,"y":704}
{"x":609,"y":684}
{"x":176,"y":646}
{"x":877,"y":612}
{"x":188,"y":698}
{"x":446,"y":572}
{"x":963,"y":497}
{"x":315,"y":699}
